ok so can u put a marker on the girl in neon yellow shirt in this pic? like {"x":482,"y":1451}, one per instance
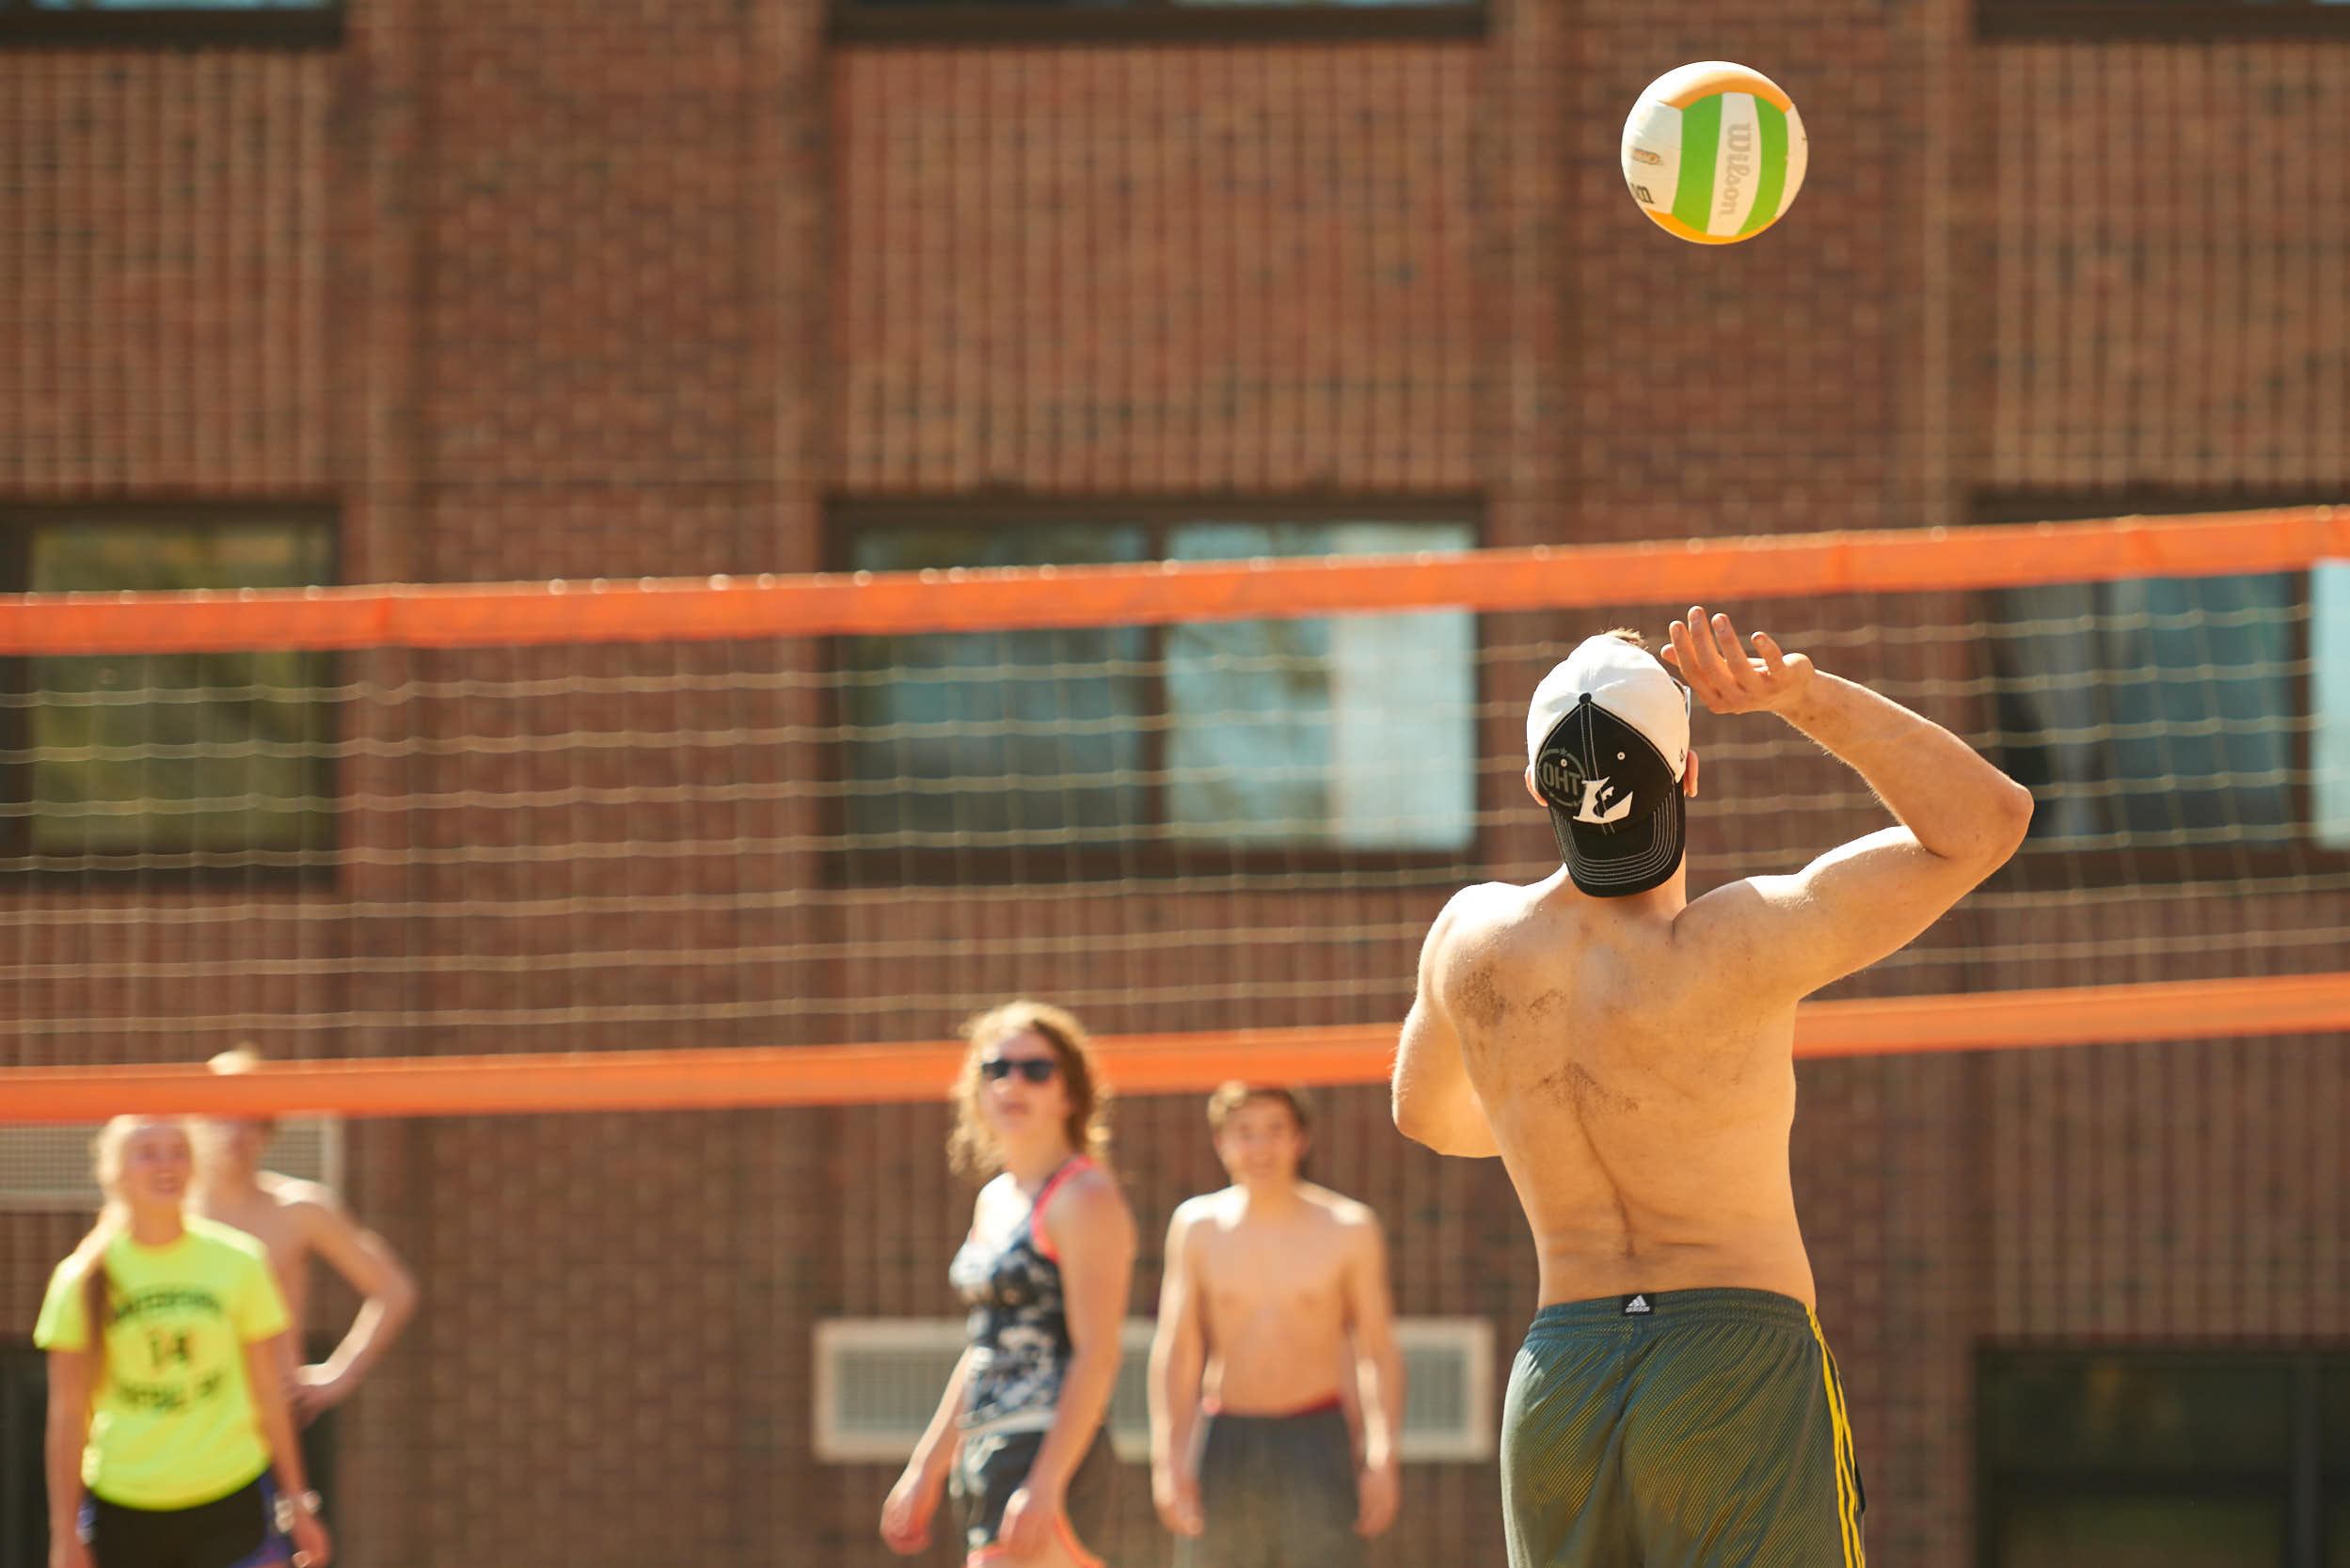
{"x":166,"y":1426}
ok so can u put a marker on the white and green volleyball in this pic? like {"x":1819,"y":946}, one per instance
{"x":1714,"y":151}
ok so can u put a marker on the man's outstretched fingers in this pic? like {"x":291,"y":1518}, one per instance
{"x":1702,"y":642}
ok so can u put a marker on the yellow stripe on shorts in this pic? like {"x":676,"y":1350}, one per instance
{"x":1848,"y":1515}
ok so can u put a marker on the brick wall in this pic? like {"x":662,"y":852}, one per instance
{"x":599,"y":289}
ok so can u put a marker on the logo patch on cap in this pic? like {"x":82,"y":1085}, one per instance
{"x":1597,"y":808}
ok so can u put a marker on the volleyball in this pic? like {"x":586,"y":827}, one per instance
{"x":1714,"y":152}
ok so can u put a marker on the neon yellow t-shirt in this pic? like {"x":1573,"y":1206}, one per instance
{"x":174,"y":1424}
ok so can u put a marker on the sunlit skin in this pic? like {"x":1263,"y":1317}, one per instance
{"x":147,"y":1169}
{"x":297,"y":1221}
{"x":1631,"y":1060}
{"x":1093,"y":1234}
{"x":1274,"y":1301}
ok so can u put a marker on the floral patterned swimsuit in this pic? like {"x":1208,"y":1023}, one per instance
{"x":1018,"y":1322}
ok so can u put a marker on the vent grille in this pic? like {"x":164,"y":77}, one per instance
{"x":47,"y":1167}
{"x":877,"y":1382}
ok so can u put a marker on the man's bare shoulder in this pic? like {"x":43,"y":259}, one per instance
{"x":1194,"y":1214}
{"x":294,"y":1194}
{"x":1479,"y":914}
{"x":1345,"y":1213}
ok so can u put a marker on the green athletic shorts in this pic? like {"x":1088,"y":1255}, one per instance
{"x":1691,"y":1429}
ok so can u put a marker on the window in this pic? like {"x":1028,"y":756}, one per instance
{"x":2123,"y":19}
{"x":2191,"y":1459}
{"x":2189,"y":718}
{"x":167,"y":761}
{"x":2330,"y":682}
{"x":1182,"y":743}
{"x":2151,"y":711}
{"x":171,"y":21}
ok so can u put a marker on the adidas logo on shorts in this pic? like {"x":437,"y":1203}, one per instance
{"x":1634,"y":1306}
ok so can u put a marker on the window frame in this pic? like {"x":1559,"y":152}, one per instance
{"x":2141,"y":21}
{"x":847,"y":867}
{"x":2042,"y":865}
{"x":2297,"y":1486}
{"x":320,"y":26}
{"x":17,"y":525}
{"x":923,"y":22}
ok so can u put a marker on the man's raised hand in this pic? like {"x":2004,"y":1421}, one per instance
{"x":1706,"y":652}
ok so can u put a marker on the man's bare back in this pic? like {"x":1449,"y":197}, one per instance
{"x":1641,"y":1111}
{"x":1273,"y":1290}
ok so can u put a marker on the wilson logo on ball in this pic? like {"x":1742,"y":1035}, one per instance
{"x":1714,"y":152}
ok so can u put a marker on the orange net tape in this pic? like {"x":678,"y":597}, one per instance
{"x":869,"y":603}
{"x":1134,"y":1064}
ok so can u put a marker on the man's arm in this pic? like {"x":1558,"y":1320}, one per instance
{"x":1431,"y":1096}
{"x":375,"y":1271}
{"x":1179,"y":1357}
{"x":1959,"y":820}
{"x":1378,"y":1376}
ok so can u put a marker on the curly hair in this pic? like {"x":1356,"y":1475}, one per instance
{"x":971,"y":1146}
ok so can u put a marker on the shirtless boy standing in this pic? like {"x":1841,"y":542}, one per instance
{"x":297,"y":1221}
{"x":1629,"y":1053}
{"x":1274,"y":1301}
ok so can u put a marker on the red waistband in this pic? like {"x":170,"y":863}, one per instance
{"x":1215,"y":1407}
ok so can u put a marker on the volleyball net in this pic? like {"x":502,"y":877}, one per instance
{"x":1210,"y":798}
{"x":455,"y":856}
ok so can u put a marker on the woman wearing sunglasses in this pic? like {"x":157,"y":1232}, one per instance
{"x":1018,"y":1437}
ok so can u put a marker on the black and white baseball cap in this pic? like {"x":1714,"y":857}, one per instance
{"x":1608,"y":735}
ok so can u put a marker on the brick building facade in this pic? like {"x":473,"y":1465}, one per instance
{"x":602,"y":289}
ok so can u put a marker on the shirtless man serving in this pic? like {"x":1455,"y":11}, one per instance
{"x":1274,"y":1302}
{"x":297,"y":1221}
{"x":1629,"y":1055}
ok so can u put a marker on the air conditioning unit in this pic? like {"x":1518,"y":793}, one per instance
{"x":877,"y":1382}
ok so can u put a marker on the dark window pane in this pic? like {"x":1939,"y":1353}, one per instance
{"x":2134,"y":1533}
{"x":2147,"y":1414}
{"x":986,"y":739}
{"x":178,"y":752}
{"x":2154,"y":711}
{"x":1356,"y":733}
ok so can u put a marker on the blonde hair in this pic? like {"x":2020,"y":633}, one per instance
{"x":971,"y":1146}
{"x":243,"y":1057}
{"x":114,"y":1215}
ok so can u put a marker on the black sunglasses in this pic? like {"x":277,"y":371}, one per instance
{"x":1036,"y":1069}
